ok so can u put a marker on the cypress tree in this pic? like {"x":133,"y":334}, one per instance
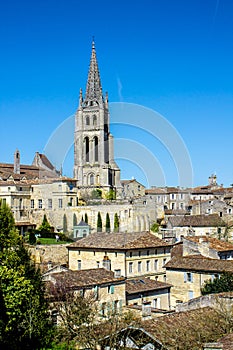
{"x":86,"y":218}
{"x":107,"y":223}
{"x":116,"y":223}
{"x":64,"y":223}
{"x":99,"y":223}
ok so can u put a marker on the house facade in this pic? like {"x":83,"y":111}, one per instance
{"x":131,"y":254}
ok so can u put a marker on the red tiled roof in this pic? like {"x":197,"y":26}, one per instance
{"x":213,"y":243}
{"x":211,"y":220}
{"x":86,"y":278}
{"x":119,"y":241}
{"x":199,"y":263}
{"x":143,"y":285}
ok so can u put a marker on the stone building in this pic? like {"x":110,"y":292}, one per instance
{"x":107,"y":289}
{"x":196,"y":225}
{"x":133,"y":255}
{"x":94,"y":164}
{"x":195,"y":261}
{"x":187,"y":274}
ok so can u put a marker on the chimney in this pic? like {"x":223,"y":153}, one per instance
{"x":17,"y":162}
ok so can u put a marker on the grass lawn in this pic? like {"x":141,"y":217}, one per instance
{"x":51,"y":241}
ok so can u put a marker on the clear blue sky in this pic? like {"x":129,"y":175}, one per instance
{"x":173,"y":56}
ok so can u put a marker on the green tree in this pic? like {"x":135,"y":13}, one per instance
{"x":154,"y":227}
{"x":107,"y":223}
{"x":99,"y":223}
{"x":86,"y":218}
{"x":8,"y":234}
{"x":111,"y":195}
{"x":32,"y":237}
{"x":218,"y":285}
{"x":65,"y":228}
{"x":24,"y":321}
{"x":45,"y":229}
{"x":75,"y":220}
{"x":96,"y":194}
{"x":116,"y":223}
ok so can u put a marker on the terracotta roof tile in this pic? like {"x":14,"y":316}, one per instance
{"x":120,"y":241}
{"x":86,"y":278}
{"x":143,"y":285}
{"x":214,"y":243}
{"x":211,"y":220}
{"x":199,"y":263}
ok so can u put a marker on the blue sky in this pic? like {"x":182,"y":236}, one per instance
{"x":174,"y":57}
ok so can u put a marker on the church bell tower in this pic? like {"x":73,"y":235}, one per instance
{"x":94,"y":165}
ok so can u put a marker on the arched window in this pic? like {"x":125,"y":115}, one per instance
{"x":91,"y":179}
{"x":94,"y":120}
{"x":87,"y":120}
{"x":96,"y":148}
{"x":86,"y":145}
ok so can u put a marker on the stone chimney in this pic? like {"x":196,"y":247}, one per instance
{"x":17,"y":162}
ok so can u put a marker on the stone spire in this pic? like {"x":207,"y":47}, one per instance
{"x":93,"y":88}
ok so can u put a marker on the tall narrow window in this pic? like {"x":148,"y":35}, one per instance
{"x":96,"y":149}
{"x":94,"y":120}
{"x":86,"y":145}
{"x":91,"y":179}
{"x":87,"y":120}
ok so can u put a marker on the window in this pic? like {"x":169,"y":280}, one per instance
{"x":97,"y":264}
{"x":103,"y":309}
{"x":111,"y":289}
{"x":115,"y":254}
{"x":181,"y":205}
{"x":156,"y":265}
{"x":139,"y":266}
{"x":96,"y":153}
{"x":181,"y":196}
{"x":40,"y":203}
{"x":94,"y":120}
{"x":54,"y":315}
{"x":96,"y":292}
{"x":173,"y":205}
{"x":60,"y":203}
{"x":139,"y":253}
{"x":188,"y":277}
{"x":79,"y":264}
{"x":91,"y":179}
{"x":164,"y":261}
{"x":50,"y":203}
{"x":148,"y":265}
{"x":130,"y":254}
{"x":130,"y":267}
{"x":86,"y":146}
{"x":148,"y":252}
{"x":190,"y":294}
{"x":32,"y":203}
{"x":87,"y":120}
